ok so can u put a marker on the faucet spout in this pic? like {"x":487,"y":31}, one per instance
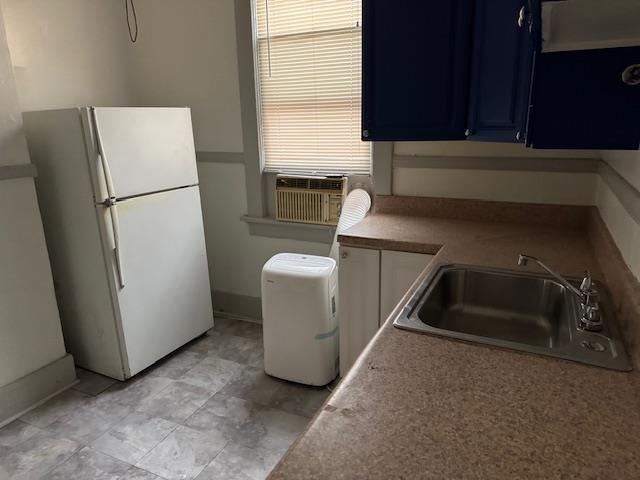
{"x":524,"y":259}
{"x":590,"y":319}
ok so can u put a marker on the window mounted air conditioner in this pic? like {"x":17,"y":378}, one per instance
{"x":309,"y":199}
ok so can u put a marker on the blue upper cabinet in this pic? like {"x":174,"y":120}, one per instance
{"x":416,"y":63}
{"x":581,"y":100}
{"x":503,"y":48}
{"x":481,"y":70}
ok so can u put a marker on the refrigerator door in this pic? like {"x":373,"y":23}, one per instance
{"x":146,"y":149}
{"x":163,"y":294}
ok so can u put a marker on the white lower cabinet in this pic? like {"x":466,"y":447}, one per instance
{"x":371,"y":283}
{"x":359,"y":301}
{"x":398,"y":271}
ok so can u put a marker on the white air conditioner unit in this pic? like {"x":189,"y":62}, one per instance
{"x":309,"y":199}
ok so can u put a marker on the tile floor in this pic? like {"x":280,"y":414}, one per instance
{"x":207,"y":412}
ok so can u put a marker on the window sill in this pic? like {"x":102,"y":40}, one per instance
{"x":270,"y":227}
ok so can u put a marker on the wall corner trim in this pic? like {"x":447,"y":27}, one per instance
{"x":219,"y":157}
{"x":382,"y":167}
{"x":270,"y":227}
{"x":256,"y":203}
{"x":35,"y":388}
{"x":626,"y":193}
{"x":24,"y":170}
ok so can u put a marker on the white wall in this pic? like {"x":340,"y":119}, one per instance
{"x":236,"y":258}
{"x":624,"y":229}
{"x":498,"y":185}
{"x":484,"y":149}
{"x":526,"y":186}
{"x":13,"y":147}
{"x":579,"y":24}
{"x":186,"y":56}
{"x":30,"y":333}
{"x":68,"y":52}
{"x":626,"y":163}
{"x":506,"y":186}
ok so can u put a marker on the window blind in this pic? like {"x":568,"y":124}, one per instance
{"x":309,"y":73}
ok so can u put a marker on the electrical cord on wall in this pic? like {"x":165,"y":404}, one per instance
{"x":133,"y":32}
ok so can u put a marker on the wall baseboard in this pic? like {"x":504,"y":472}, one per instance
{"x":237,"y":305}
{"x":33,"y":389}
{"x":232,"y":316}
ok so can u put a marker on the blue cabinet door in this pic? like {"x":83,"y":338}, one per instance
{"x":503,"y":47}
{"x":416,"y":62}
{"x":580,"y":100}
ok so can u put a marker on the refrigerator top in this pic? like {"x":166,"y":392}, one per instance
{"x":141,"y":150}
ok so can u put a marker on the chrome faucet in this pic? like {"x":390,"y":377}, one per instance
{"x":590,"y":319}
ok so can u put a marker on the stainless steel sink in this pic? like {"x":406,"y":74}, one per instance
{"x":522,"y":311}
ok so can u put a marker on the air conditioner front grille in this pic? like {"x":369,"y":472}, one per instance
{"x":309,"y":200}
{"x":300,"y":206}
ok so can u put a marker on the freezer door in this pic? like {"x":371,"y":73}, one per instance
{"x":164,"y":296}
{"x":146,"y":149}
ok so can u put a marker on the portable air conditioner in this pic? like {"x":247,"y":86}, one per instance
{"x":300,"y":321}
{"x":309,"y":199}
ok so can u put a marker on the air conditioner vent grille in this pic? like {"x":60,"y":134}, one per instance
{"x":292,"y":182}
{"x":330,"y":184}
{"x":309,"y":200}
{"x":326,"y":184}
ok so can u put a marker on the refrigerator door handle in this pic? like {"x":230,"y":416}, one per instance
{"x":115,"y":227}
{"x":112,"y":205}
{"x":111,"y":201}
{"x":108,"y":179}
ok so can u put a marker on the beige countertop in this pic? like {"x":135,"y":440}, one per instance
{"x":420,"y":406}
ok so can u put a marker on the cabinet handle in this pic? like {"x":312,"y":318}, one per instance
{"x":344,"y":255}
{"x":631,"y":75}
{"x":522,"y":15}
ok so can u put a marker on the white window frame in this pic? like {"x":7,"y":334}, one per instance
{"x":258,"y":107}
{"x":258,"y":217}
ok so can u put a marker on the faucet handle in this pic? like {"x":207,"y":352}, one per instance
{"x":587,"y":282}
{"x":591,"y":319}
{"x":589,"y":293}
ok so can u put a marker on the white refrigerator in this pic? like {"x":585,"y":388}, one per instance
{"x":118,"y":190}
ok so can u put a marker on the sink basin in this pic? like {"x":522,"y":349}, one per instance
{"x":521,"y":311}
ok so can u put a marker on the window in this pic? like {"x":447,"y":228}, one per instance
{"x":309,"y":76}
